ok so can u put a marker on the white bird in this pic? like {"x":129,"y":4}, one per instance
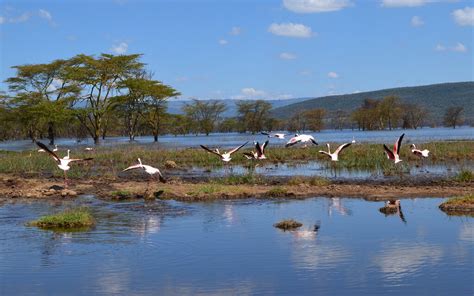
{"x":259,"y":153}
{"x":226,"y":155}
{"x":67,"y":156}
{"x":89,"y":149}
{"x":301,"y":139}
{"x":152,"y":171}
{"x":353,"y":140}
{"x":395,"y":154}
{"x":335,"y":155}
{"x":275,"y":135}
{"x":55,"y":148}
{"x":418,"y":152}
{"x":63,"y":163}
{"x":41,"y":150}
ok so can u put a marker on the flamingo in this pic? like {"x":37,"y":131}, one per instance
{"x":55,"y":148}
{"x":394,"y":155}
{"x":353,"y":140}
{"x":418,"y":152}
{"x":259,"y":154}
{"x":335,"y":155}
{"x":63,"y":163}
{"x":89,"y":149}
{"x":152,"y":171}
{"x":275,"y":135}
{"x":301,"y":138}
{"x":226,"y":155}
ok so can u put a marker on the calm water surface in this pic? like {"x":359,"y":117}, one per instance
{"x":235,"y":139}
{"x":230,"y":247}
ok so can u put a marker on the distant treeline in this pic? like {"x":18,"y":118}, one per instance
{"x":89,"y":96}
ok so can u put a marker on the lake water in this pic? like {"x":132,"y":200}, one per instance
{"x":231,"y":247}
{"x":234,"y":139}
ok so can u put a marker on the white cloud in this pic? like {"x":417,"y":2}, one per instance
{"x":416,"y":21}
{"x":20,"y":19}
{"x":287,"y":56}
{"x":223,"y":42}
{"x":235,"y":31}
{"x":440,"y":47}
{"x":459,"y":47}
{"x":290,"y":30}
{"x":404,"y":3}
{"x":2,"y":20}
{"x":314,"y":6}
{"x":45,"y":15}
{"x":120,"y":48}
{"x":252,"y":92}
{"x":464,"y":17}
{"x":333,"y":75}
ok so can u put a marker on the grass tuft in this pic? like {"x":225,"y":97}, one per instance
{"x":68,"y":219}
{"x":288,"y":224}
{"x":465,"y":176}
{"x":277,"y":191}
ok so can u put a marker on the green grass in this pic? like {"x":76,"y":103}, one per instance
{"x":288,"y":224}
{"x":465,"y":176}
{"x":121,"y":194}
{"x":68,"y":219}
{"x":460,"y":200}
{"x":313,"y":181}
{"x":109,"y":161}
{"x":208,"y":189}
{"x":277,"y":191}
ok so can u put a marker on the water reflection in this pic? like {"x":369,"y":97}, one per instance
{"x":231,"y":247}
{"x":393,"y":207}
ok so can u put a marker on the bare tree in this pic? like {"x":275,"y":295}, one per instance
{"x":453,"y":116}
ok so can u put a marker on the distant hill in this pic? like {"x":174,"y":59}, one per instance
{"x":436,"y":97}
{"x":175,"y":106}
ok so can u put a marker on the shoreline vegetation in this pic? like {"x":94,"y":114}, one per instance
{"x":70,"y":219}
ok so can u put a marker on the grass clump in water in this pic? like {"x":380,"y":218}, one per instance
{"x":69,"y":219}
{"x":288,"y":224}
{"x":459,"y":206}
{"x":460,"y":200}
{"x":277,"y":191}
{"x":465,"y":176}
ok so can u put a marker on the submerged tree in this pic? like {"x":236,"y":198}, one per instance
{"x":204,"y":114}
{"x":453,"y":116}
{"x":253,"y":115}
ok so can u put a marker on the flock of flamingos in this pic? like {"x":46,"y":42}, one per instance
{"x":259,"y":153}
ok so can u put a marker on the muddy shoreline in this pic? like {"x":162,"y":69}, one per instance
{"x":12,"y":186}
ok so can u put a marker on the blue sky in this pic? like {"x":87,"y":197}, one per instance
{"x":253,"y":49}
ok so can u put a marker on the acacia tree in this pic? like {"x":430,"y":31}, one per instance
{"x":99,"y":79}
{"x":389,"y":112}
{"x":453,"y":116}
{"x":253,"y":115}
{"x":204,"y":114}
{"x":314,"y":119}
{"x":414,"y":115}
{"x":41,"y":92}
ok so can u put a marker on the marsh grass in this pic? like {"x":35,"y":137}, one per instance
{"x":76,"y":218}
{"x":460,"y":200}
{"x":288,"y":224}
{"x":277,"y":191}
{"x":121,"y":194}
{"x":464,"y":176}
{"x":208,"y":189}
{"x":110,"y":161}
{"x":313,"y":181}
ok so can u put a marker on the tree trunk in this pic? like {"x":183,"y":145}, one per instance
{"x":155,"y":137}
{"x":51,"y":133}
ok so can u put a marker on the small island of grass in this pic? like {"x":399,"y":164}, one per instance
{"x":76,"y":218}
{"x":288,"y":224}
{"x":460,"y":205}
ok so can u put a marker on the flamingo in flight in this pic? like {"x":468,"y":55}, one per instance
{"x":418,"y":152}
{"x":225,"y":156}
{"x":259,"y":153}
{"x":63,"y":163}
{"x":395,"y":154}
{"x":301,"y":139}
{"x":152,"y":171}
{"x":335,"y":155}
{"x":275,"y":135}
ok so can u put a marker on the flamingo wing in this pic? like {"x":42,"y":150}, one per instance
{"x":209,"y":150}
{"x":80,"y":159}
{"x":237,"y":148}
{"x":293,"y":141}
{"x":264,"y":146}
{"x":45,"y":148}
{"x":398,"y":144}
{"x":325,"y":153}
{"x":132,"y":167}
{"x":343,"y":146}
{"x":389,"y":152}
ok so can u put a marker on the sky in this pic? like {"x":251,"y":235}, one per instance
{"x":262,"y":49}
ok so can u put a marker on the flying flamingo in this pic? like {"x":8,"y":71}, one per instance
{"x":275,"y":135}
{"x":335,"y":155}
{"x":152,"y":171}
{"x":301,"y":138}
{"x":259,"y":153}
{"x":395,"y":154}
{"x":225,"y":156}
{"x":418,"y":152}
{"x":63,"y":163}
